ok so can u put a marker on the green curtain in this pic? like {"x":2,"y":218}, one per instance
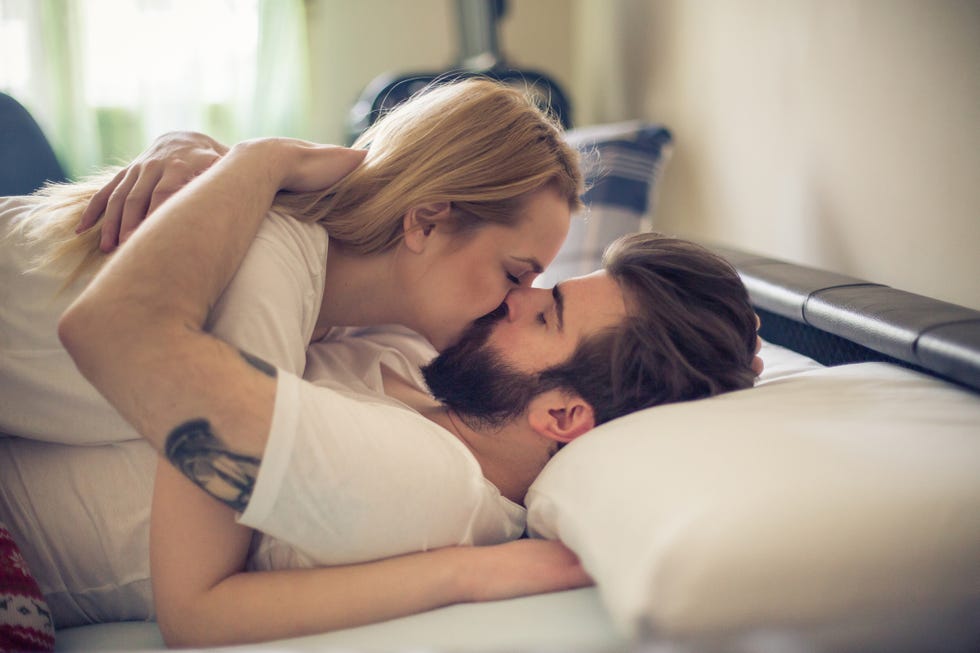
{"x":71,"y":125}
{"x":86,"y":137}
{"x":281,"y":106}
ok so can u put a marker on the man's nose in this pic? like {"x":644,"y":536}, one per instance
{"x":523,"y":301}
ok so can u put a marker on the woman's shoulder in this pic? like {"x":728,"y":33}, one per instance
{"x":303,"y":238}
{"x":14,"y":208}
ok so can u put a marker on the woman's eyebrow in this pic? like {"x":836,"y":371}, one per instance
{"x":534,"y":264}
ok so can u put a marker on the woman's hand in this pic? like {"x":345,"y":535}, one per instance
{"x":172,"y":161}
{"x":523,"y":567}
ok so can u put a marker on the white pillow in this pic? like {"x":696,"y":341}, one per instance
{"x":781,"y":362}
{"x":821,"y":498}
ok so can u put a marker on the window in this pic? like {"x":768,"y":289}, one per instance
{"x":104,"y":77}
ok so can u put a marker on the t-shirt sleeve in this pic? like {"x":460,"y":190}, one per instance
{"x":347,"y":480}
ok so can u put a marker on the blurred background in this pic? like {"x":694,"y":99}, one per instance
{"x":842,"y":134}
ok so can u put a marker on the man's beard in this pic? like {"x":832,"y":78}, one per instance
{"x":471,"y":379}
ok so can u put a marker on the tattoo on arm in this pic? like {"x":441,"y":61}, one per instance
{"x":229,"y":477}
{"x":259,"y":364}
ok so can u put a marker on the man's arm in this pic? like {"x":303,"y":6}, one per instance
{"x":136,"y":334}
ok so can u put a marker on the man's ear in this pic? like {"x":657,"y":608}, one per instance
{"x":560,"y":415}
{"x":420,"y":221}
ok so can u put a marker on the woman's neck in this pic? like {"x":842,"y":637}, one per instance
{"x":361,"y":290}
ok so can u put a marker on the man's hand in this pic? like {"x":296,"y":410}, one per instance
{"x":165,"y":167}
{"x":757,"y":364}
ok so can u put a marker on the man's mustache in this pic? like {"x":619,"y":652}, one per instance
{"x":493,"y":316}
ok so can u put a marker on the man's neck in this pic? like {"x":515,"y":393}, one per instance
{"x":510,"y":457}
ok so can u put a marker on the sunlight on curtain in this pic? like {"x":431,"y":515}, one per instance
{"x":105,"y":77}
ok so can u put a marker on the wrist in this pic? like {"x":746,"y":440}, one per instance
{"x":217,"y":146}
{"x":467,"y":573}
{"x":260,"y":161}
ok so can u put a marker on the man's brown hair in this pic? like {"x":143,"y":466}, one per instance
{"x":690,"y":331}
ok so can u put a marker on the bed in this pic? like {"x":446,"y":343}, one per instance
{"x":835,"y":506}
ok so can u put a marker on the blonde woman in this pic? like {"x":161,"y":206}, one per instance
{"x":462,"y":195}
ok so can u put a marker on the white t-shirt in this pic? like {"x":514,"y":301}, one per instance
{"x":269,"y":309}
{"x":351,"y":475}
{"x":42,"y":394}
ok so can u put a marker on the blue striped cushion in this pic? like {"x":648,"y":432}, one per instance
{"x":622,"y":163}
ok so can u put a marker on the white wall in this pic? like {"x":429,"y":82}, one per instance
{"x":839,"y":134}
{"x":354,"y":41}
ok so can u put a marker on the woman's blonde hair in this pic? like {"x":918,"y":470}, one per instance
{"x":478,"y":144}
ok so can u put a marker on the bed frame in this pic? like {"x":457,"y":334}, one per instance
{"x":837,"y":319}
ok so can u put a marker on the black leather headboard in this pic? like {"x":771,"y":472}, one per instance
{"x":836,"y":319}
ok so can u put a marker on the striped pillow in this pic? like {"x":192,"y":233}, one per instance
{"x":622,"y":163}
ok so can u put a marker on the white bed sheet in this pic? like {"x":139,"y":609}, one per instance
{"x":561,"y":621}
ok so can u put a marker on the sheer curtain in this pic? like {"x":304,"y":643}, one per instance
{"x":104,"y":77}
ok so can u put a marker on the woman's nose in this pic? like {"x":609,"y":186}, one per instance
{"x":523,"y":301}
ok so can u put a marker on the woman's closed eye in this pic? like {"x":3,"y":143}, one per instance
{"x":524,"y":278}
{"x":542,"y":319}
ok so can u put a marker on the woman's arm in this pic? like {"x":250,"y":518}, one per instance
{"x":204,"y":598}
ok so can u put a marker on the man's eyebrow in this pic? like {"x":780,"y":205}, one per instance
{"x":535,"y":264}
{"x":559,"y":306}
